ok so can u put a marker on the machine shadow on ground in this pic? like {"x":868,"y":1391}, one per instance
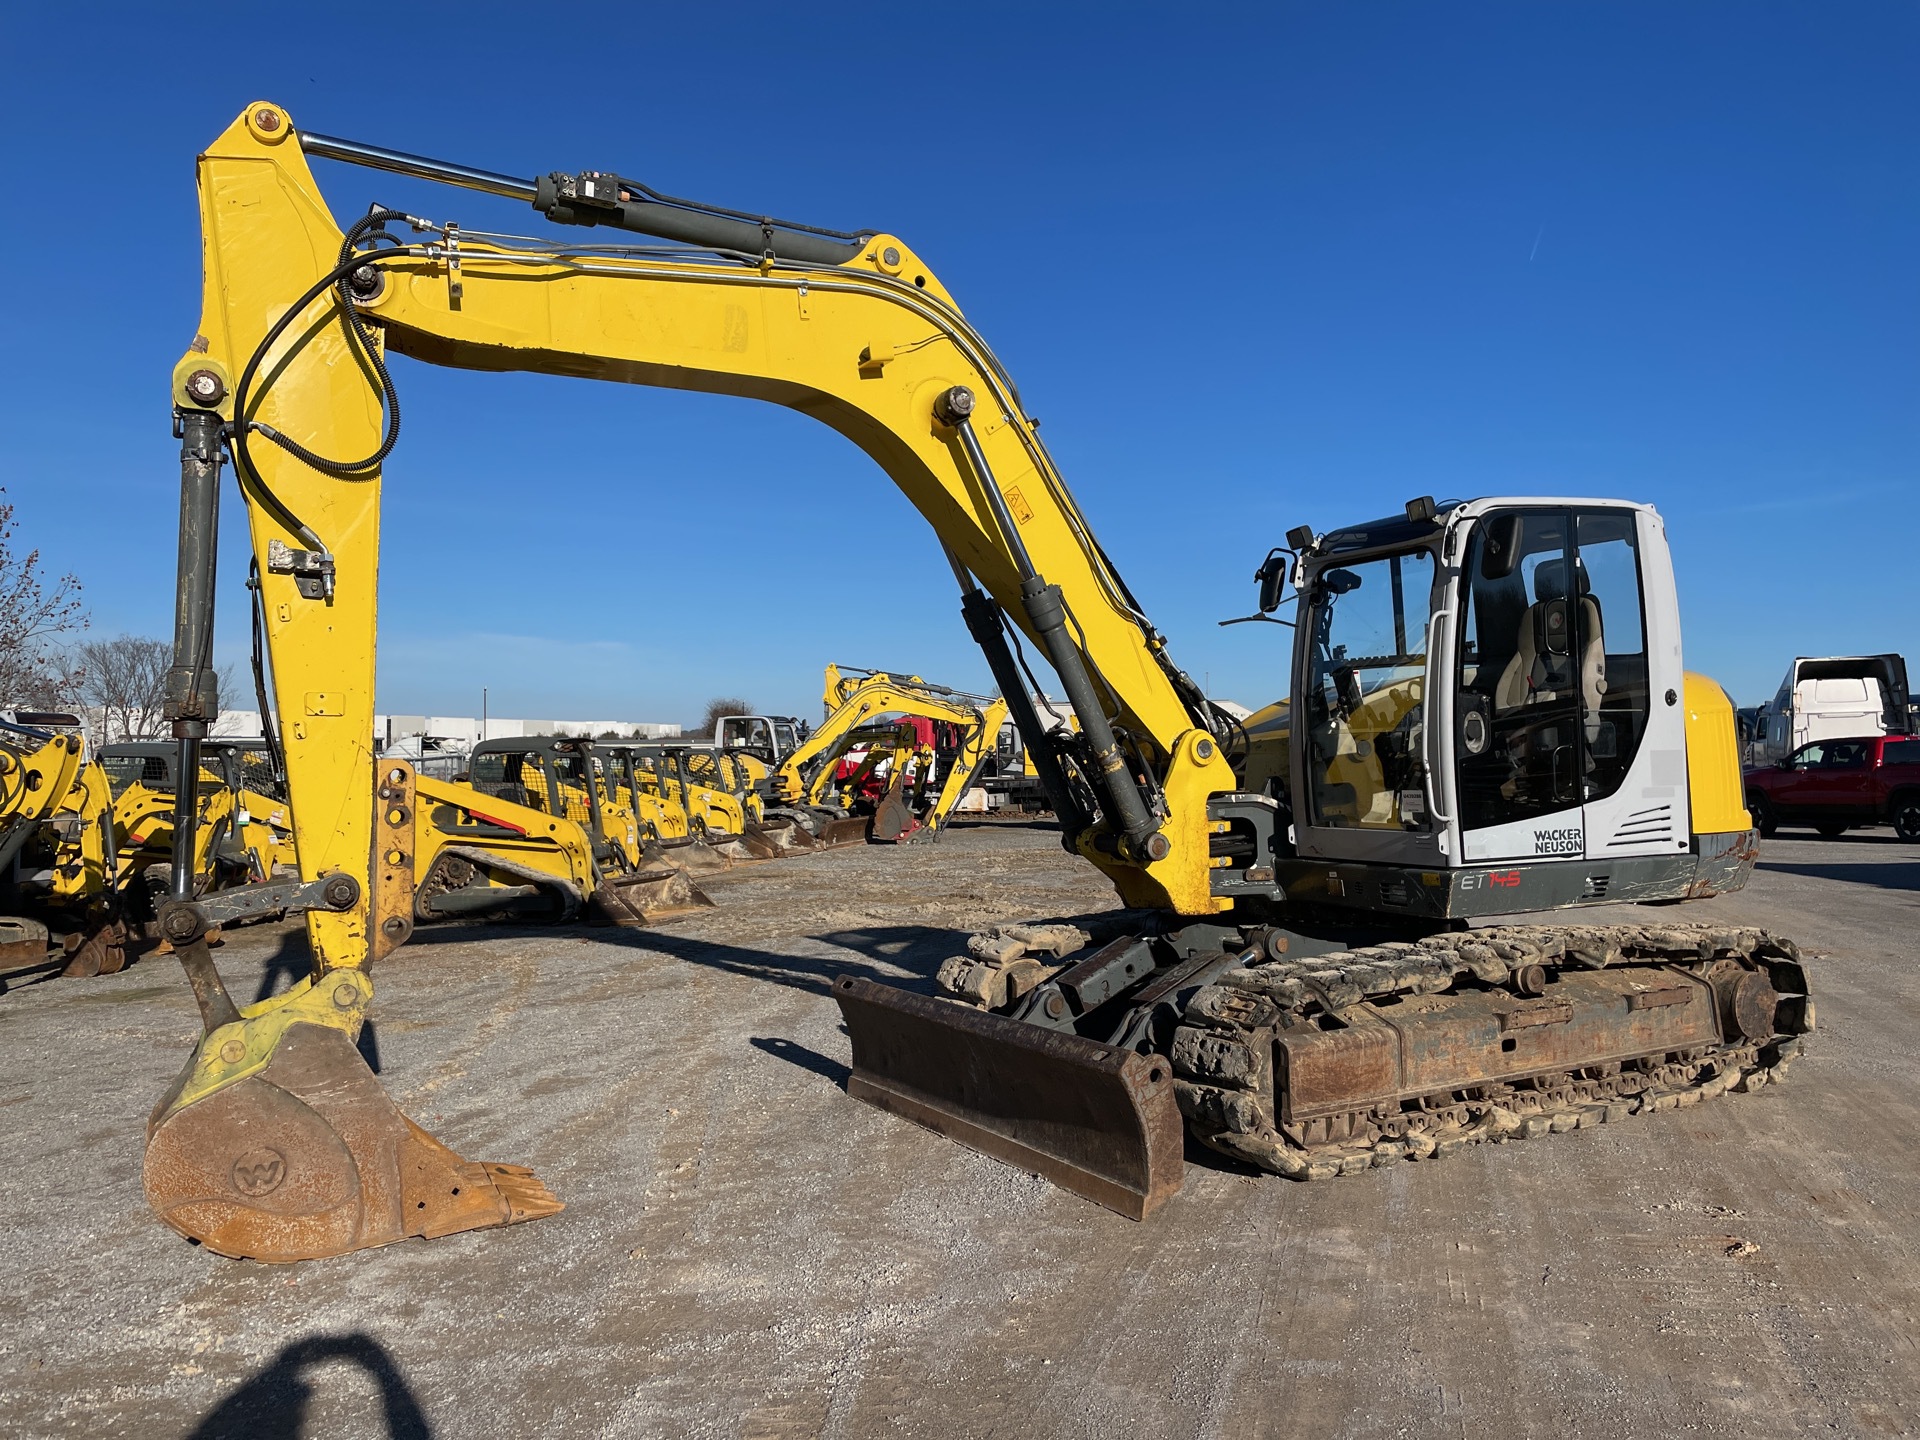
{"x":272,"y":1405}
{"x":1882,"y":875}
{"x":918,"y":949}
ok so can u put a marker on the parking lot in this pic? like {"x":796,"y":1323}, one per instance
{"x":746,"y":1252}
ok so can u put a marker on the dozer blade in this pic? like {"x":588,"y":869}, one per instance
{"x":646,"y":898}
{"x":1095,"y":1120}
{"x":277,"y":1143}
{"x":832,"y":828}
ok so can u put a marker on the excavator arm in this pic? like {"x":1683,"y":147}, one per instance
{"x":872,"y":346}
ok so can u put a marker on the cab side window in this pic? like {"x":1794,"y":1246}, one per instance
{"x":1615,"y":646}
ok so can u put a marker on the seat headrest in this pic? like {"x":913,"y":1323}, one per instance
{"x":1550,"y":580}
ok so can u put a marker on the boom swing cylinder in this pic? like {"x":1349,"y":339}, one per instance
{"x":848,"y":327}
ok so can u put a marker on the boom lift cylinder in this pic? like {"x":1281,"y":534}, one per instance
{"x":193,"y":701}
{"x":1138,"y":832}
{"x":989,"y":632}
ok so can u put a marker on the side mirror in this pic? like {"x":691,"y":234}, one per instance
{"x":1272,"y":576}
{"x":1501,"y":547}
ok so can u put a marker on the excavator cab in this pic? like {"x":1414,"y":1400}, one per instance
{"x":1498,"y":681}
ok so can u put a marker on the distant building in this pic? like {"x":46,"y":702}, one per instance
{"x":463,"y":732}
{"x":455,"y":732}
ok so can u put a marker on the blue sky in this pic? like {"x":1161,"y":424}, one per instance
{"x":1253,"y":267}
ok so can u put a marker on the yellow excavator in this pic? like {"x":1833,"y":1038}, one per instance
{"x":80,"y":834}
{"x":911,"y":802}
{"x":1489,"y":718}
{"x":49,"y":804}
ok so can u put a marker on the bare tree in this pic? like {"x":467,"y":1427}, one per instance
{"x":125,"y":680}
{"x":718,"y":708}
{"x":35,"y":612}
{"x":123,"y":686}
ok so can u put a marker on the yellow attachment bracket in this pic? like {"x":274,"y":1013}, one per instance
{"x":1181,"y":881}
{"x":243,"y":1047}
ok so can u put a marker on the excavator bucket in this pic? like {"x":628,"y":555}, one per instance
{"x":646,"y":898}
{"x":1096,"y":1120}
{"x":98,"y":950}
{"x":277,"y":1143}
{"x":893,"y":817}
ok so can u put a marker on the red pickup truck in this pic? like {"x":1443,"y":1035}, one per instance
{"x":1836,"y":785}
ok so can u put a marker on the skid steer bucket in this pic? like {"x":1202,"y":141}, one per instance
{"x":646,"y":898}
{"x":277,"y":1143}
{"x":1093,"y":1119}
{"x":688,"y":853}
{"x":735,"y":849}
{"x":785,"y":834}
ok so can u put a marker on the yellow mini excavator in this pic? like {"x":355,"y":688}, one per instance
{"x":1489,"y":718}
{"x":80,"y":835}
{"x":916,"y":803}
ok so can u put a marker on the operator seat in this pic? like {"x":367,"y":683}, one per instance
{"x":1544,"y":667}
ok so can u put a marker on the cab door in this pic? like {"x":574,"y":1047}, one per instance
{"x":1568,"y":729}
{"x":1634,"y":727}
{"x":1517,"y":710}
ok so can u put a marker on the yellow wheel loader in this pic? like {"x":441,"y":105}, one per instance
{"x":1490,"y":719}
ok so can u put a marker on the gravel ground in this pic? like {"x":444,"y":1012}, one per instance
{"x":748,"y":1253}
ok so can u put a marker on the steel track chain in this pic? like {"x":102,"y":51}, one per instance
{"x":1222,"y":1052}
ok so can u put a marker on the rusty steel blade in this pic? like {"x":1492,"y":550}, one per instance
{"x":646,"y":898}
{"x":1099,"y":1121}
{"x":310,"y":1158}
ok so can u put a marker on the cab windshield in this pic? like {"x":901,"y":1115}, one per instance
{"x":1366,"y":674}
